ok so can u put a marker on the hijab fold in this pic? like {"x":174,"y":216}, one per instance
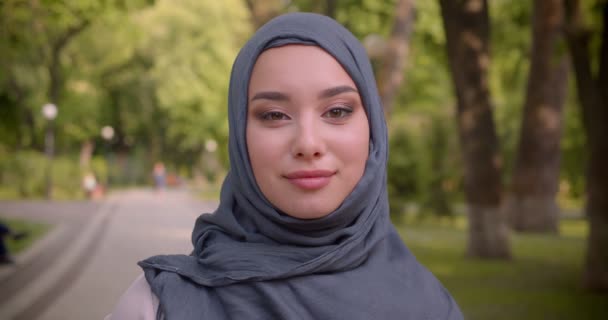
{"x":252,"y":261}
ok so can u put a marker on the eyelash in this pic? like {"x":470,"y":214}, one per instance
{"x":267,"y":116}
{"x":344,"y":111}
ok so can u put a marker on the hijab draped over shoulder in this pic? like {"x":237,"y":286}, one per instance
{"x":251,"y":261}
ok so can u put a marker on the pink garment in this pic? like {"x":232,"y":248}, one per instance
{"x":137,"y":303}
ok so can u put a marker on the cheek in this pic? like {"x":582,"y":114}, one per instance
{"x":255,"y":149}
{"x":355,"y":148}
{"x":264,"y":150}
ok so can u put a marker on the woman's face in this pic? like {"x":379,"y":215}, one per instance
{"x":307,"y":131}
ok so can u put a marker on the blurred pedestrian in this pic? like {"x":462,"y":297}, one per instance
{"x":89,"y":184}
{"x":160,"y":176}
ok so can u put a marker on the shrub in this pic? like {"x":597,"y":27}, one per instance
{"x":24,"y":174}
{"x":403,"y":172}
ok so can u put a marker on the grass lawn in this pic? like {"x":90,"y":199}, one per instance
{"x":541,"y":282}
{"x":34,"y":232}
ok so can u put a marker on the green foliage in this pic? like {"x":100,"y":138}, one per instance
{"x":34,"y":36}
{"x":164,"y":89}
{"x":442,"y":178}
{"x":422,"y":117}
{"x":33,"y":230}
{"x":165,"y":85}
{"x":157,"y":72}
{"x":361,"y":17}
{"x":23,"y":175}
{"x":66,"y":178}
{"x":574,"y":152}
{"x":24,"y":172}
{"x":192,"y":46}
{"x":427,"y":89}
{"x":129,"y":169}
{"x":542,"y":283}
{"x":99,"y":168}
{"x":510,"y":51}
{"x":423,"y":167}
{"x":403,"y":170}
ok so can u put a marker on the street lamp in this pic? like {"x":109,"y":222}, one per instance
{"x":211,"y":145}
{"x":210,"y":160}
{"x":107,"y":133}
{"x":49,"y":112}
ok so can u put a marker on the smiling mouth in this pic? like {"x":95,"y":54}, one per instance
{"x":310,"y":179}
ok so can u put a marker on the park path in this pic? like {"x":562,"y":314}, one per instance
{"x":80,"y":269}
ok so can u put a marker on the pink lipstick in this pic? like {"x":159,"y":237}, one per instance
{"x":310,"y":179}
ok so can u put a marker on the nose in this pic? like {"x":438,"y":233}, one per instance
{"x":308,"y":142}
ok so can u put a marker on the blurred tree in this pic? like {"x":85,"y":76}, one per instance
{"x":510,"y":29}
{"x":36,"y":52}
{"x":403,"y":172}
{"x":35,"y":40}
{"x":531,"y":202}
{"x":391,"y":74}
{"x":21,"y":56}
{"x":157,"y":74}
{"x":361,"y":17}
{"x":166,"y":83}
{"x":262,"y":11}
{"x":574,"y":156}
{"x":593,"y":97}
{"x":466,"y":25}
{"x":191,"y":46}
{"x":437,"y":199}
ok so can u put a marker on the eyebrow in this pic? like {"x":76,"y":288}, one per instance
{"x":328,"y":93}
{"x":270,"y":95}
{"x":279,"y":96}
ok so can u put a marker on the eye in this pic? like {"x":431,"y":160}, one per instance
{"x":273,"y":116}
{"x":338,"y":112}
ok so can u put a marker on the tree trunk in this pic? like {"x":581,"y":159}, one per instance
{"x":466,"y":25}
{"x":17,"y":95}
{"x":531,"y":204}
{"x":330,"y":8}
{"x":593,"y":98}
{"x":30,"y":122}
{"x":56,"y":83}
{"x":28,"y":137}
{"x":54,"y":67}
{"x":438,"y":202}
{"x":86,"y":153}
{"x":391,"y":74}
{"x":262,"y":11}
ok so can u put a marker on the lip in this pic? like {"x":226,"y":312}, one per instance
{"x":310,"y":179}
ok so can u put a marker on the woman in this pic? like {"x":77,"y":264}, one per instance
{"x":302,"y":230}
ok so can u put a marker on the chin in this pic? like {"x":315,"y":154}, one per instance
{"x":309,"y":211}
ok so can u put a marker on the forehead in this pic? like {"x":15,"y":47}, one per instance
{"x":297,"y":63}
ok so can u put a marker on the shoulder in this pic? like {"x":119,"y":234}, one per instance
{"x":138,"y":302}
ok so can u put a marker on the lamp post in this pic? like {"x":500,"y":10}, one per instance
{"x":210,"y":163}
{"x":49,"y":112}
{"x":211,"y":145}
{"x":107,"y":133}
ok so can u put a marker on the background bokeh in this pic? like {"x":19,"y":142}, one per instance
{"x":141,"y":82}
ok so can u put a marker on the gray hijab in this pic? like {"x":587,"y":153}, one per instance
{"x":251,"y":261}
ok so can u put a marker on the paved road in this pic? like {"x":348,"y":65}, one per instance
{"x":82,"y":267}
